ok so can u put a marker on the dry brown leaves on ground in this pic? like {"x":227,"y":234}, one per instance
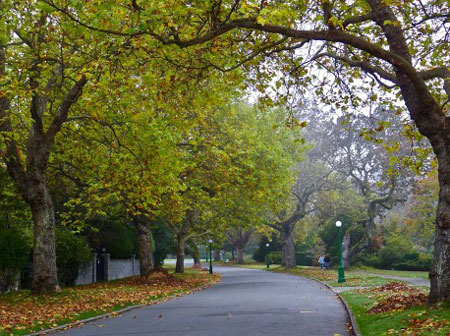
{"x":429,"y":326}
{"x":397,"y":296}
{"x":399,"y":302}
{"x":22,"y":311}
{"x":395,"y":287}
{"x":315,"y":273}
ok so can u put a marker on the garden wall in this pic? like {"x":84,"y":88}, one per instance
{"x":102,"y":268}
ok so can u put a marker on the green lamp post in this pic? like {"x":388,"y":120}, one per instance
{"x":210,"y":256}
{"x":341,"y":276}
{"x":267,"y":255}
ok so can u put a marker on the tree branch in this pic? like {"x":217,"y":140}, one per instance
{"x":357,"y":19}
{"x":71,"y":97}
{"x":366,"y":66}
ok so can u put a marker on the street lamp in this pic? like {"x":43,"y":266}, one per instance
{"x":210,"y":256}
{"x":341,"y":276}
{"x":267,"y":255}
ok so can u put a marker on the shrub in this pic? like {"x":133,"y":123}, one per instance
{"x":72,"y":252}
{"x":395,"y":251}
{"x":371,"y":260}
{"x":303,"y":258}
{"x":275,"y":257}
{"x":118,"y":238}
{"x":259,"y":254}
{"x":14,"y":252}
{"x":399,"y":254}
{"x":421,"y":262}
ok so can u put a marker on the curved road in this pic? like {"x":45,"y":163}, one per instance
{"x":246,"y":302}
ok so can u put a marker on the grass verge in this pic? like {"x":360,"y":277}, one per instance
{"x":22,"y":313}
{"x":391,"y":314}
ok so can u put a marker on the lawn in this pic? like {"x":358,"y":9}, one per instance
{"x":406,"y":274}
{"x":397,"y":313}
{"x":22,"y":312}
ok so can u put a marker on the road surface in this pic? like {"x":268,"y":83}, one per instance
{"x":246,"y":302}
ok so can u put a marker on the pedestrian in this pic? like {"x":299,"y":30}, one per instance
{"x":326,"y":262}
{"x":320,"y":261}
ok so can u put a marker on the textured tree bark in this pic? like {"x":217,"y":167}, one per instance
{"x":196,"y":255}
{"x":440,"y":273}
{"x":346,"y":250}
{"x":44,"y":255}
{"x":181,"y":242}
{"x":287,"y":249}
{"x":145,"y":251}
{"x":217,"y":255}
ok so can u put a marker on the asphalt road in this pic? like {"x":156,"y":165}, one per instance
{"x":246,"y":302}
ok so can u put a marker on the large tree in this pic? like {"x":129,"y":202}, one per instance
{"x":400,"y":45}
{"x":43,"y":67}
{"x":374,"y":162}
{"x":239,"y":239}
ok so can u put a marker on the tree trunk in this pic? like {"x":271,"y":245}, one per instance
{"x":217,"y":255}
{"x":240,"y":255}
{"x":196,"y":257}
{"x":195,"y":252}
{"x":44,"y":256}
{"x":287,"y":249}
{"x":440,"y":272}
{"x":239,"y":239}
{"x":181,"y":242}
{"x":145,"y":251}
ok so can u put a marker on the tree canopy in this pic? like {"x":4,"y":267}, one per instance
{"x":113,"y":58}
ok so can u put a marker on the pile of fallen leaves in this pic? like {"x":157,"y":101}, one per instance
{"x":399,"y":302}
{"x":23,"y":311}
{"x":395,"y":287}
{"x":397,"y":296}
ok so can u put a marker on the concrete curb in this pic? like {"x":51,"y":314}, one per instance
{"x":117,"y":312}
{"x":355,"y":328}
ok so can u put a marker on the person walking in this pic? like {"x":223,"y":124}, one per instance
{"x":326,"y":262}
{"x":320,"y":261}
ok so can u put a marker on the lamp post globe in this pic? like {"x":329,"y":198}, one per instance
{"x":267,"y":255}
{"x":341,"y":275}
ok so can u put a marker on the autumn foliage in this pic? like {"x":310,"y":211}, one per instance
{"x":22,"y":311}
